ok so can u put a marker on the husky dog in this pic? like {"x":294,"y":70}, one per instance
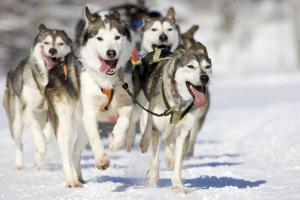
{"x":177,"y":87}
{"x":188,"y":41}
{"x":160,"y":32}
{"x":24,"y":94}
{"x":91,"y":92}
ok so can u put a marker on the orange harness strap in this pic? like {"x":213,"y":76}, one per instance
{"x":65,"y":71}
{"x":109,"y":93}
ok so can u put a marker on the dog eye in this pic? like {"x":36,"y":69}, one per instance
{"x":46,"y":43}
{"x":207,"y":67}
{"x":99,"y":38}
{"x":170,"y":29}
{"x":117,"y":37}
{"x":154,"y":29}
{"x":191,"y":66}
{"x":61,"y":44}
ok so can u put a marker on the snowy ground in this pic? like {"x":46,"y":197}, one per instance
{"x":249,"y":149}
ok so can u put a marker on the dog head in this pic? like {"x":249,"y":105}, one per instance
{"x":51,"y":46}
{"x":104,"y":43}
{"x":191,"y":74}
{"x":160,"y":32}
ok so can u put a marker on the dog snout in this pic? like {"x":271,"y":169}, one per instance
{"x":111,"y":53}
{"x":52,"y":51}
{"x":163,"y":37}
{"x":204,"y":79}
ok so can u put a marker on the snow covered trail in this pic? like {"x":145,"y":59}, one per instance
{"x":248,"y":149}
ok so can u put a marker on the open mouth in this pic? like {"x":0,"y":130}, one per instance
{"x":198,"y":94}
{"x":49,"y":61}
{"x":161,"y":46}
{"x":108,"y":66}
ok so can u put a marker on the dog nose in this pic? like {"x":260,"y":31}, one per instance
{"x":52,"y":51}
{"x":163,"y":37}
{"x":111,"y":53}
{"x":204,"y":79}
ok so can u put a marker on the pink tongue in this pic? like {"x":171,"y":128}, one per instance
{"x":50,"y":63}
{"x":199,"y":98}
{"x":105,"y":67}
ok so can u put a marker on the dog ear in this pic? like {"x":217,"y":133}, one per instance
{"x":180,"y":49}
{"x":89,"y":17}
{"x":115,"y":15}
{"x":42,"y":28}
{"x":191,"y":31}
{"x":171,"y":14}
{"x":200,"y":48}
{"x":145,"y":19}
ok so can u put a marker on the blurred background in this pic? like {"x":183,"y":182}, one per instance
{"x":242,"y":37}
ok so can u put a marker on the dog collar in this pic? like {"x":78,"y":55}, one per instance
{"x":178,"y":111}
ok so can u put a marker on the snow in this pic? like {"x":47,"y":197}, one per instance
{"x":248,"y":149}
{"x":250,"y":143}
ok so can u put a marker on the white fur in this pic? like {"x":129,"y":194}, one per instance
{"x":184,"y":74}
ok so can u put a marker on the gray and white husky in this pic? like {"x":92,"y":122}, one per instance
{"x":158,"y":33}
{"x":91,"y":92}
{"x":24,"y":94}
{"x":188,"y":41}
{"x":176,"y":86}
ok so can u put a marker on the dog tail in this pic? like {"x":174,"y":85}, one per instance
{"x":9,"y":100}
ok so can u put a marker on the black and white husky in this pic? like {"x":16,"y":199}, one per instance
{"x":91,"y":92}
{"x":24,"y":94}
{"x":162,"y":32}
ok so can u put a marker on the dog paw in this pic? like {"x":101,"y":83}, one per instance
{"x":189,"y":153}
{"x":41,"y":148}
{"x":170,"y":163}
{"x":82,"y":181}
{"x":181,"y":189}
{"x":19,"y":167}
{"x":75,"y":184}
{"x":103,"y":163}
{"x":115,"y":142}
{"x":144,"y":144}
{"x":129,"y":142}
{"x":41,"y":167}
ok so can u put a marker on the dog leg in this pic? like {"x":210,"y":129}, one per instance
{"x":131,"y":132}
{"x":17,"y":128}
{"x":64,"y":138}
{"x":130,"y":136}
{"x":91,"y":128}
{"x":181,"y":144}
{"x":154,"y":167}
{"x":193,"y":137}
{"x":80,"y":143}
{"x":37,"y":134}
{"x":170,"y":151}
{"x":121,"y":127}
{"x":146,"y":136}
